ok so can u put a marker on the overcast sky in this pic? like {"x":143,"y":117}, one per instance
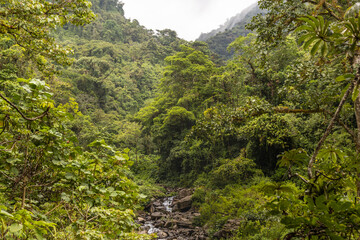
{"x":189,"y":18}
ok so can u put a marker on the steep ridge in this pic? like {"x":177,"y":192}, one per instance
{"x":229,"y":24}
{"x":219,"y":39}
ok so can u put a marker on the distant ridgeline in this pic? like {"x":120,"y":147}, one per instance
{"x":219,"y":39}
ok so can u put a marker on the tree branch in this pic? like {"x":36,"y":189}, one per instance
{"x":9,"y":150}
{"x":23,"y":198}
{"x":22,"y":114}
{"x":305,"y":111}
{"x":330,"y":126}
{"x":60,"y":203}
{"x":309,"y":111}
{"x":7,"y":176}
{"x":67,"y":212}
{"x":333,"y":179}
{"x":331,"y":12}
{"x":351,"y":132}
{"x":302,"y":178}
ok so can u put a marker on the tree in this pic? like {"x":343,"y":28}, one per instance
{"x":29,"y":25}
{"x":187,"y":76}
{"x":50,"y":188}
{"x":266,"y":70}
{"x":189,"y":85}
{"x":329,"y":31}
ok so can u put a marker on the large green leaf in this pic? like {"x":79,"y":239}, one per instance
{"x":15,"y":227}
{"x":316,"y":46}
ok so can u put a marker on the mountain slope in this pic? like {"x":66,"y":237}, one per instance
{"x":219,"y":39}
{"x":117,"y":64}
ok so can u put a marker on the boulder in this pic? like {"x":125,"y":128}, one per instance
{"x":160,"y":209}
{"x":185,"y":192}
{"x":184,"y":223}
{"x":183,"y":204}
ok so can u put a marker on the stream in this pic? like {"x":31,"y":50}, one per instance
{"x":171,"y":218}
{"x":166,"y":202}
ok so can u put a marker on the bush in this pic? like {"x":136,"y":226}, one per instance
{"x":198,"y":197}
{"x":234,"y":171}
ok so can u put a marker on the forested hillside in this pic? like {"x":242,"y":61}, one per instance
{"x":98,"y":112}
{"x":117,"y":65}
{"x":230,"y":23}
{"x":67,"y":90}
{"x":219,"y":39}
{"x":269,"y":140}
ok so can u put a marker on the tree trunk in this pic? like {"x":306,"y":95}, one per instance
{"x":329,"y":128}
{"x":357,"y":114}
{"x":357,"y":101}
{"x":353,"y":85}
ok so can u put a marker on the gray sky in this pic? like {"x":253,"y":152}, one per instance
{"x":189,"y":18}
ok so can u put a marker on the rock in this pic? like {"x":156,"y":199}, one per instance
{"x":202,"y":237}
{"x":233,"y":222}
{"x":185,"y":192}
{"x":183,"y":204}
{"x":184,"y":224}
{"x":162,"y":234}
{"x":159,"y":224}
{"x":172,"y":225}
{"x":168,"y":224}
{"x":161,"y":209}
{"x":175,"y":208}
{"x":229,"y":229}
{"x":157,"y":215}
{"x":141,"y":220}
{"x":157,"y":203}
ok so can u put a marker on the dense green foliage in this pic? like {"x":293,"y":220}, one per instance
{"x":50,"y":187}
{"x":117,"y":64}
{"x":284,"y":103}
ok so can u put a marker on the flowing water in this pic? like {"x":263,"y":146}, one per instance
{"x":171,"y":218}
{"x":166,"y":202}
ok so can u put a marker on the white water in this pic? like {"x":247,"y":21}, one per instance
{"x":152,"y":228}
{"x":167,"y":203}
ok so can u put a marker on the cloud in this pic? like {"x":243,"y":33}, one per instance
{"x":189,"y":18}
{"x":202,"y":6}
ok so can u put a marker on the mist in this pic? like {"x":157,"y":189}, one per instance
{"x":189,"y":18}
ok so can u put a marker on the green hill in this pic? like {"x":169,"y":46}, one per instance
{"x":219,"y":39}
{"x":117,"y":65}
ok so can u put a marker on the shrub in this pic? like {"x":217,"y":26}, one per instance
{"x":234,"y":171}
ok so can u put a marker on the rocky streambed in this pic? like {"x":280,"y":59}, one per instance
{"x":172,"y":218}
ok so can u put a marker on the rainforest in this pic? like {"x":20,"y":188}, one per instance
{"x":109,"y":130}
